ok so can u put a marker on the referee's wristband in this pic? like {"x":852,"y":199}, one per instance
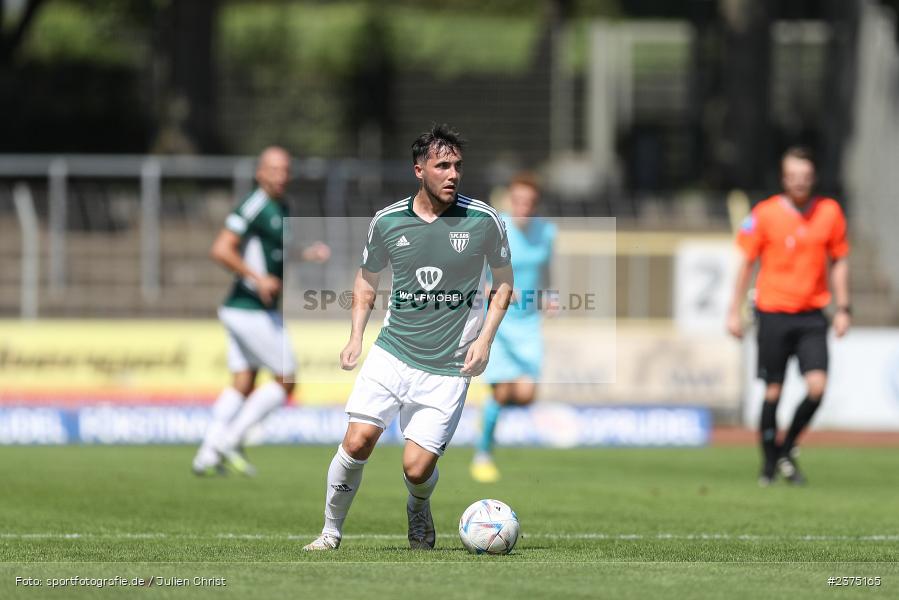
{"x":846,"y":309}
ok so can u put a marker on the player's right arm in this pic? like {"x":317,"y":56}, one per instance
{"x":734,"y":318}
{"x":364,"y":291}
{"x":374,"y":260}
{"x":749,"y":240}
{"x":226,"y":251}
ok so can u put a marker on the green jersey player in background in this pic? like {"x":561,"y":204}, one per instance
{"x":251,"y":246}
{"x":436,"y":335}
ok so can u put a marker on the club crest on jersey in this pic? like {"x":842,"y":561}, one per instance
{"x":428,"y":277}
{"x":459,"y":240}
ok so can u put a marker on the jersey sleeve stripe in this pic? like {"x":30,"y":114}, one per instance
{"x":480,"y":206}
{"x":392,"y":208}
{"x":374,"y":221}
{"x":253,"y":205}
{"x":236,"y":223}
{"x":400,"y":204}
{"x":473,"y":201}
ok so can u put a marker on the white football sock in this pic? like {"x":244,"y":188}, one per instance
{"x":225,"y":408}
{"x":258,"y":405}
{"x":344,"y":478}
{"x":420,"y":493}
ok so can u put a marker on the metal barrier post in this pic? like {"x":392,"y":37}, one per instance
{"x":29,"y":226}
{"x":58,"y":217}
{"x":150,"y":174}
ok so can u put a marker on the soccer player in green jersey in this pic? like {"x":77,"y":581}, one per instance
{"x":436,"y":335}
{"x":251,"y":246}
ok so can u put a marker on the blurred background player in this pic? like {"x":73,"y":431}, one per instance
{"x":437,"y":243}
{"x":251,"y":246}
{"x":797,"y":238}
{"x":517,"y":354}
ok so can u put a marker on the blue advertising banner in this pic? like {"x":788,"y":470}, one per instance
{"x":545,"y":425}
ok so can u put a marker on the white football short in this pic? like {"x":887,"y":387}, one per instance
{"x":256,"y":339}
{"x":429,"y":405}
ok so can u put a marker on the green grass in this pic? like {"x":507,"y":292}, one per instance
{"x":607,"y":523}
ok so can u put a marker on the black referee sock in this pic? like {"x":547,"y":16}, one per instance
{"x":768,"y":431}
{"x":804,"y":413}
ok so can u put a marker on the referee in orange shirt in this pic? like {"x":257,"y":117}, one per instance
{"x":798,"y":238}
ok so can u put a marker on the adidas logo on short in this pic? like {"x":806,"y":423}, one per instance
{"x":402,"y":242}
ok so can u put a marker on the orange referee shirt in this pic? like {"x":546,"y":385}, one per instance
{"x":795,"y":249}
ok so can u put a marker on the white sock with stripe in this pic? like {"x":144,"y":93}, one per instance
{"x":420,"y":493}
{"x":344,"y":478}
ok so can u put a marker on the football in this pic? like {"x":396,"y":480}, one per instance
{"x":489,"y":527}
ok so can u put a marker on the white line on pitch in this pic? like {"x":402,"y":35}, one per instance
{"x":536,"y":536}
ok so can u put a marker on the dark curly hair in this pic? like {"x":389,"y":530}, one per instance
{"x":441,"y":138}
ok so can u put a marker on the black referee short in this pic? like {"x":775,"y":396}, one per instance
{"x":781,"y":335}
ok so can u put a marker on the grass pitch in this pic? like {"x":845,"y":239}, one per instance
{"x":610,"y":523}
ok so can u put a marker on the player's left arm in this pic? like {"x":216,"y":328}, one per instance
{"x":500,"y":296}
{"x":838,"y":248}
{"x":839,"y":277}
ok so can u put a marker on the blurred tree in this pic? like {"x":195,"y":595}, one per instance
{"x":706,"y":112}
{"x":368,"y":85}
{"x":561,"y":94}
{"x":12,"y":36}
{"x":69,"y":74}
{"x":838,"y":92}
{"x":185,"y":69}
{"x":745,"y":140}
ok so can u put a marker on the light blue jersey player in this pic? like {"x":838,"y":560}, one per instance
{"x":517,"y":354}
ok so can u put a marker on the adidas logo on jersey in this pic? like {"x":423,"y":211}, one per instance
{"x":402,"y":242}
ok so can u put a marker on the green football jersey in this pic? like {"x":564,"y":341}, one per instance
{"x":259,"y":221}
{"x":436,"y":307}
